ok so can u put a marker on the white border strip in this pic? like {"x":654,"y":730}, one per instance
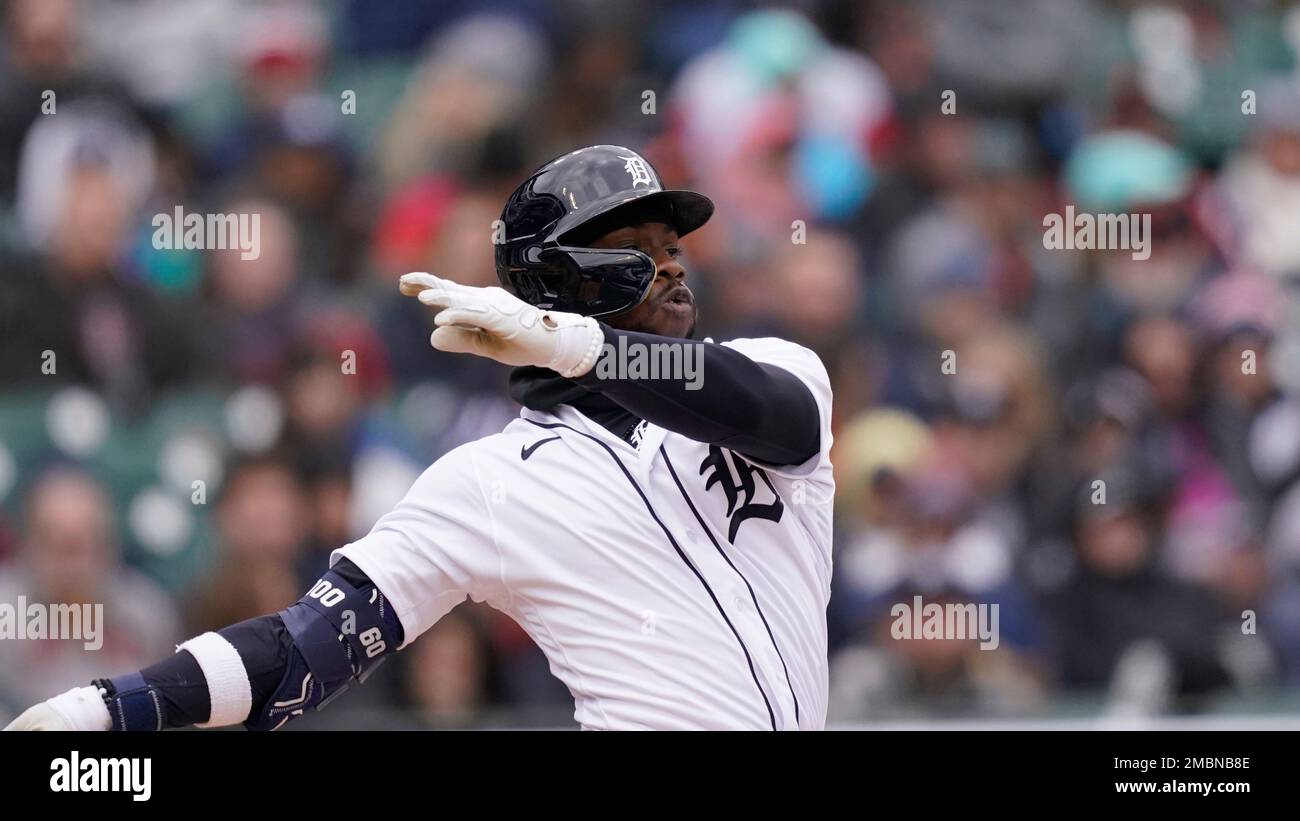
{"x":1203,"y":723}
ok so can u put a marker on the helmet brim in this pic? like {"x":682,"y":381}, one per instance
{"x":686,"y":211}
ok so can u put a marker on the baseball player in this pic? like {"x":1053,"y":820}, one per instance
{"x":666,"y":541}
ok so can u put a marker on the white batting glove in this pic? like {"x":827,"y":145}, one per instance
{"x":81,"y":708}
{"x":494,"y":323}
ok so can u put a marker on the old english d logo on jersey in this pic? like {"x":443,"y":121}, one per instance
{"x":640,"y":173}
{"x":749,"y":507}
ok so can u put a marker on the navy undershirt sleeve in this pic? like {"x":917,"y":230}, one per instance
{"x":182,"y":688}
{"x":756,"y":409}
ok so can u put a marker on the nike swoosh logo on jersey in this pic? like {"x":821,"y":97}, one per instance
{"x":525,"y":452}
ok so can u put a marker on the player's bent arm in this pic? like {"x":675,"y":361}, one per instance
{"x":754,"y":408}
{"x":262,"y":672}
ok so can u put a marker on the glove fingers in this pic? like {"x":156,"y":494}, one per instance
{"x":415,"y":282}
{"x":440,"y":297}
{"x":433,"y":291}
{"x":470,"y":315}
{"x":455,"y":340}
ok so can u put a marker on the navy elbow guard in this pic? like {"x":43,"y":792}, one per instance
{"x":340,"y":633}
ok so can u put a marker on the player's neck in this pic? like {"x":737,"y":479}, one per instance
{"x":541,"y":389}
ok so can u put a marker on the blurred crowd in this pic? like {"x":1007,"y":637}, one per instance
{"x":1107,"y":448}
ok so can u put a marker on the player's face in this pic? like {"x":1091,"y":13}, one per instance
{"x":670,"y":309}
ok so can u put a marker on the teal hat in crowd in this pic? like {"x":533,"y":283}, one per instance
{"x":1119,"y":170}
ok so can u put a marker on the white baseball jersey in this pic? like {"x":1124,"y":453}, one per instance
{"x":671,"y":584}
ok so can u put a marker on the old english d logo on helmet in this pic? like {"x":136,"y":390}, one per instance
{"x":639,"y":169}
{"x":563,"y":196}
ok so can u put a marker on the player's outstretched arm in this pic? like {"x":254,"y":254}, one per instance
{"x":754,"y":408}
{"x":757,"y":409}
{"x":261,"y":673}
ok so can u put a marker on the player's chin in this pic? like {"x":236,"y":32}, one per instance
{"x":676,"y":323}
{"x":672,"y":319}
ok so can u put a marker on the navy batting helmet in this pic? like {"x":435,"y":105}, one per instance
{"x":572,"y":200}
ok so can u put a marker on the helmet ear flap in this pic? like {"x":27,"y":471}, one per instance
{"x":599,"y":281}
{"x":539,"y":282}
